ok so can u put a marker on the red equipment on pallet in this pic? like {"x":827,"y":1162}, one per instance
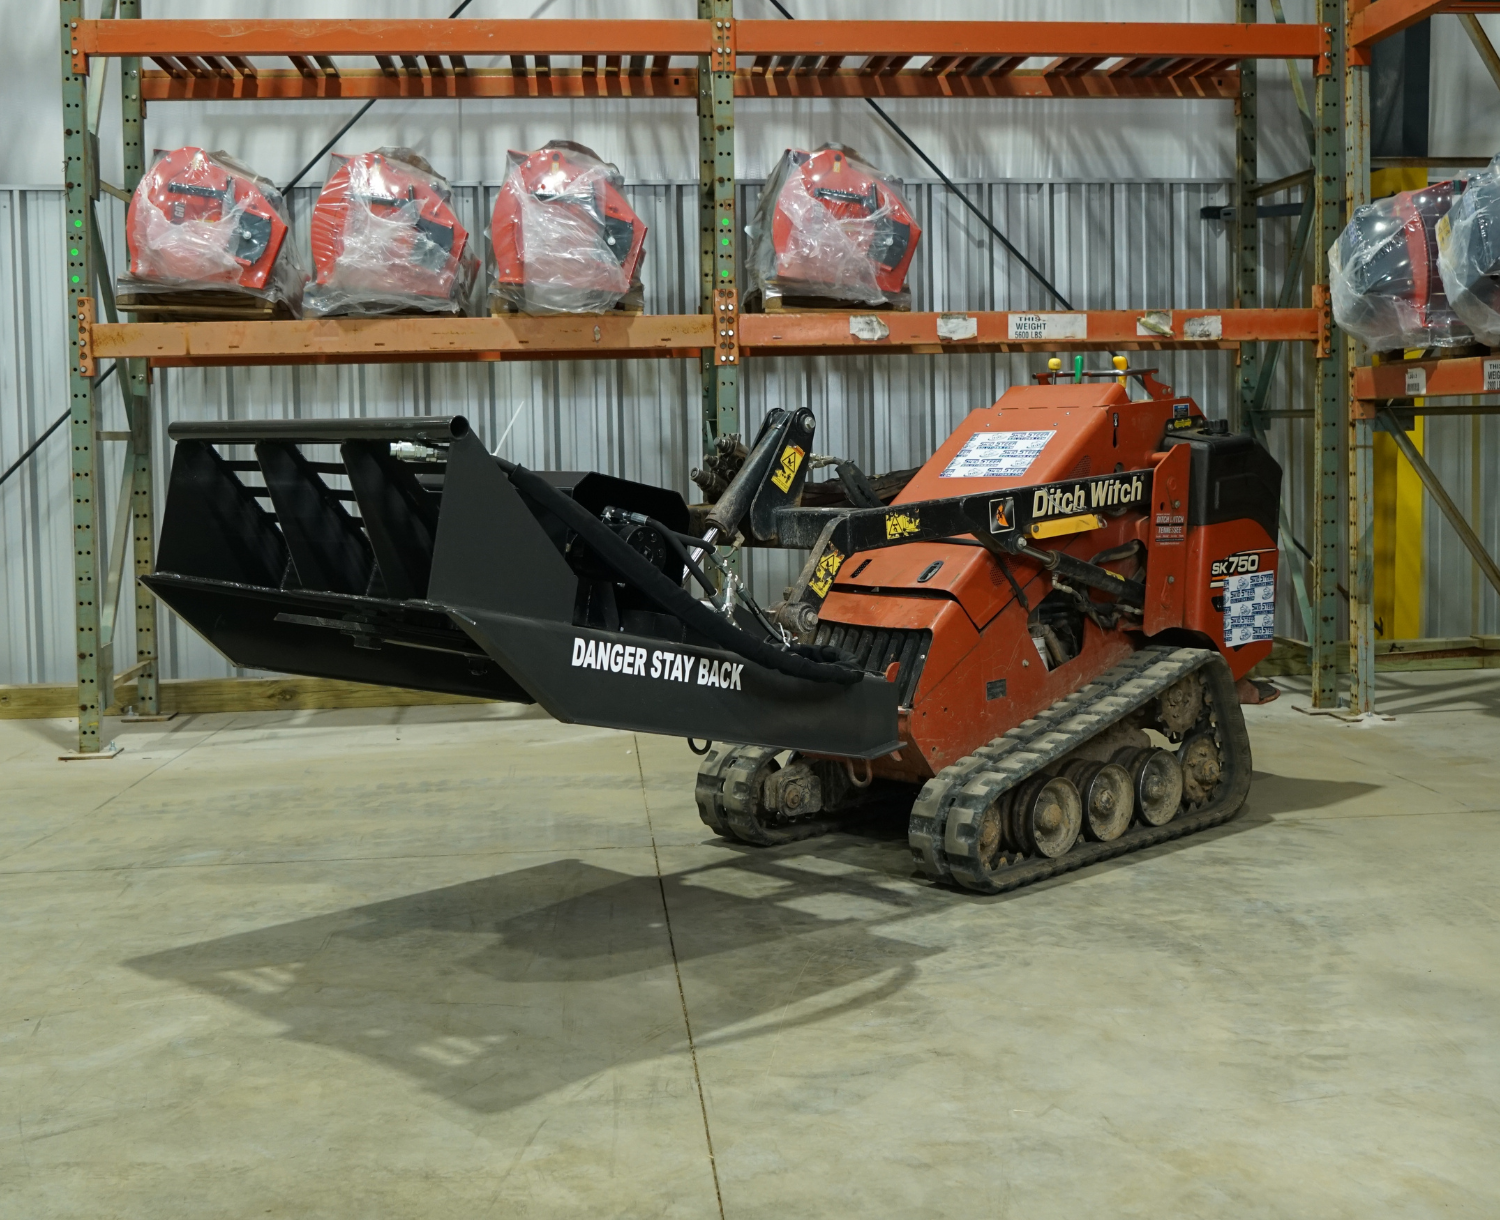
{"x":1387,"y":289}
{"x":385,"y":239}
{"x":201,"y":220}
{"x":565,"y":239}
{"x":1469,"y":254}
{"x":831,"y":226}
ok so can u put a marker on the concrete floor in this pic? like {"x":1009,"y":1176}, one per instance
{"x":468,"y":962}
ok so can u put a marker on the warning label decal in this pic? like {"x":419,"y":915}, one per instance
{"x":998,"y":455}
{"x":1249,"y":607}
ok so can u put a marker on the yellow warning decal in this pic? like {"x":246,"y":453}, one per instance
{"x":902,"y":525}
{"x":791,"y":462}
{"x":827,"y":569}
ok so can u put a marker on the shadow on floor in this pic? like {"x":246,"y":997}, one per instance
{"x":1423,"y":693}
{"x":1272,"y":794}
{"x":496,"y":991}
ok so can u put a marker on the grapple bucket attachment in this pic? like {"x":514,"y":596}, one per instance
{"x":400,"y":552}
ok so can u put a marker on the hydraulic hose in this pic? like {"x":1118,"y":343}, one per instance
{"x":817,"y":663}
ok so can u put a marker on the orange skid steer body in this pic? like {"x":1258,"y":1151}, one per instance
{"x":1030,"y":644}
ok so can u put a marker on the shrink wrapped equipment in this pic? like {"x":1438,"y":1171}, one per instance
{"x":1383,"y":271}
{"x":203,"y":228}
{"x":1469,"y":254}
{"x":831,"y":226}
{"x":565,"y":239}
{"x":386,"y":239}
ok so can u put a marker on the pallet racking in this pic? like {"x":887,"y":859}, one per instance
{"x":1373,"y":389}
{"x":167,"y":61}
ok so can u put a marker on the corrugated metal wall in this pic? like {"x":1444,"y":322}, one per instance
{"x":1106,"y":245}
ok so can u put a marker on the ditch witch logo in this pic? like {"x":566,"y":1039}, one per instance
{"x":1115,"y":491}
{"x":1070,"y":499}
{"x":1087,"y":497}
{"x":661,"y":664}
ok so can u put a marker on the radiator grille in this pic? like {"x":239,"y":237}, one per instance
{"x":874,"y":648}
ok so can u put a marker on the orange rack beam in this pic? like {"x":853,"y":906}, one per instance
{"x":1105,"y":39}
{"x":1372,"y":22}
{"x":210,"y":60}
{"x":972,"y":47}
{"x":1091,"y":330}
{"x":377,"y":340}
{"x":241,"y":37}
{"x":374,"y":340}
{"x":1382,"y":18}
{"x":1462,"y":375}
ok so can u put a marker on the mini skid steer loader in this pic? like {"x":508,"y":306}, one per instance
{"x":1031,"y":642}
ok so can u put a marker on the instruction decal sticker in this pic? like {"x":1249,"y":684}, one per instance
{"x":1249,"y":608}
{"x":997,"y":455}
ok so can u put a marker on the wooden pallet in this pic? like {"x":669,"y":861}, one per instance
{"x":504,"y":309}
{"x":207,"y":305}
{"x":789,"y":304}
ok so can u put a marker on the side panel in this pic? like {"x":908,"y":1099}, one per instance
{"x":490,"y":550}
{"x":975,"y":685}
{"x":953,"y":635}
{"x":1002,"y":683}
{"x":967,"y":573}
{"x":1235,"y":561}
{"x":1166,"y":543}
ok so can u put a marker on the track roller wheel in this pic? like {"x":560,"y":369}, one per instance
{"x":1049,"y":815}
{"x":1108,"y":798}
{"x":993,"y":834}
{"x":1202,"y":765}
{"x":742,"y":799}
{"x":1156,"y":779}
{"x":708,"y":789}
{"x":740,"y":802}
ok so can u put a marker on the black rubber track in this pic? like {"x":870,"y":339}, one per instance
{"x":945,"y":817}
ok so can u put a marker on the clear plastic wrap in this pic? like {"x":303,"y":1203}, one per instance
{"x":386,"y":239}
{"x":1384,"y":274}
{"x":208,"y":236}
{"x":830,"y":226}
{"x":1469,"y":254}
{"x":565,"y":240}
